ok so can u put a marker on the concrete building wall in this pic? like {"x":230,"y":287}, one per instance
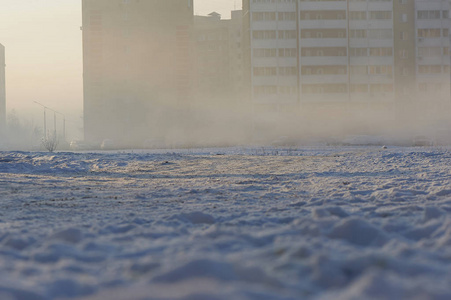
{"x":348,"y":55}
{"x":2,"y":89}
{"x":404,"y":58}
{"x":213,"y":84}
{"x":432,"y":28}
{"x":236,"y":55}
{"x":218,"y":59}
{"x":432,"y":48}
{"x":136,"y":67}
{"x":315,"y":41}
{"x":273,"y":50}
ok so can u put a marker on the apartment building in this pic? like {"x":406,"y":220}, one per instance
{"x":347,"y":55}
{"x":137,"y":68}
{"x":273,"y":30}
{"x":212,"y":81}
{"x":218,"y":59}
{"x":236,"y":55}
{"x":2,"y":89}
{"x":432,"y":25}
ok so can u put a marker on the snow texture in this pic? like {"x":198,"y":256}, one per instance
{"x":220,"y":224}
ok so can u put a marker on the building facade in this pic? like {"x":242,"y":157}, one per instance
{"x":212,"y":74}
{"x":218,"y":74}
{"x":218,"y":58}
{"x":137,"y":68}
{"x":2,"y":90}
{"x":432,"y":25}
{"x":347,"y":56}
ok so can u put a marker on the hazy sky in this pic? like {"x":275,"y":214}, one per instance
{"x":44,"y":51}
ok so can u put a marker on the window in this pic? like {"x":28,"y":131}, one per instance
{"x":287,"y":16}
{"x":428,"y":33}
{"x":263,"y":34}
{"x":357,"y":15}
{"x":382,"y":51}
{"x":380,"y":70}
{"x":380,"y":33}
{"x":359,"y":70}
{"x":404,"y":18}
{"x":429,"y":51}
{"x":358,"y":33}
{"x":403,"y":54}
{"x":263,"y":16}
{"x":403,"y":36}
{"x":287,"y":34}
{"x":428,"y":14}
{"x":358,"y":51}
{"x":380,"y":15}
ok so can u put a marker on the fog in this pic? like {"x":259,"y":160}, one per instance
{"x":44,"y":61}
{"x":164,"y":80}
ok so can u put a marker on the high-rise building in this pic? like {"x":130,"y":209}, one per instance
{"x":432,"y":29}
{"x":212,"y":74}
{"x":347,"y":55}
{"x":236,"y":53}
{"x":218,"y":74}
{"x":2,"y":89}
{"x":218,"y":60}
{"x":137,"y":72}
{"x":218,"y":79}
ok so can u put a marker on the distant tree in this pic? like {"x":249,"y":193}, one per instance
{"x":50,"y":142}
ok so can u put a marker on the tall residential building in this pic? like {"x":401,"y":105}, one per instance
{"x":236,"y":54}
{"x":432,"y":29}
{"x":218,"y":58}
{"x":212,"y":61}
{"x":2,"y":89}
{"x":137,"y":68}
{"x":346,"y":55}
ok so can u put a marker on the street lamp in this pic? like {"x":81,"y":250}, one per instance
{"x":45,"y":118}
{"x":54,"y":120}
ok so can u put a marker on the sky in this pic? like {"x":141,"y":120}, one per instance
{"x":43,"y":44}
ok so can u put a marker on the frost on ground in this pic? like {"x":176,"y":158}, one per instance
{"x":330,"y":223}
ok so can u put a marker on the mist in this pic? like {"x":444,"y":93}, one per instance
{"x":173,"y":80}
{"x":156,"y":75}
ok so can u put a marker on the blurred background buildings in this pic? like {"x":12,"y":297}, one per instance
{"x":155,"y":72}
{"x":348,"y":59}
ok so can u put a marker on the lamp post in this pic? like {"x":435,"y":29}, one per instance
{"x":54,"y":120}
{"x":45,"y":118}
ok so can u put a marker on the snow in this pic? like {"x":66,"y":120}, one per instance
{"x":230,"y":223}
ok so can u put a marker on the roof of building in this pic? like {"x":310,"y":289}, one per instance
{"x":214,"y":14}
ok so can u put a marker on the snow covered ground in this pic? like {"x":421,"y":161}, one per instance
{"x":241,"y":223}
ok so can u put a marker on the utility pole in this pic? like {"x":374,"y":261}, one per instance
{"x":54,"y":123}
{"x":45,"y":125}
{"x":45,"y":118}
{"x":54,"y":120}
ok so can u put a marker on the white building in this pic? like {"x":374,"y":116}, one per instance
{"x":432,"y":48}
{"x":136,"y":69}
{"x":274,"y":53}
{"x":346,"y":54}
